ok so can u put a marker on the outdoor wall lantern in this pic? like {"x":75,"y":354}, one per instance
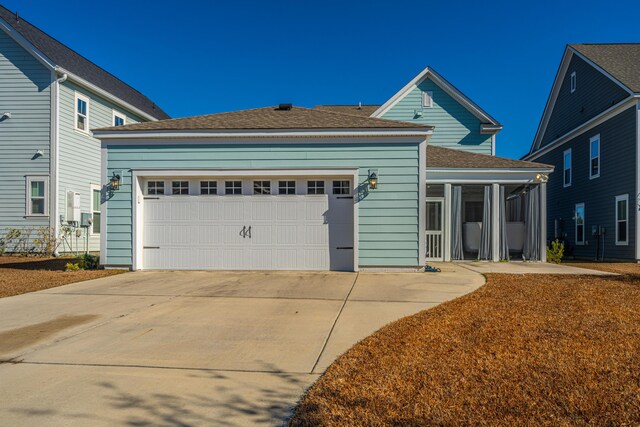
{"x":373,"y":179}
{"x":541,"y":177}
{"x":114,"y":183}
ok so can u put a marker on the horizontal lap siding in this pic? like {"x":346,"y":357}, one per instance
{"x":25,"y":91}
{"x":617,"y":177}
{"x":455,"y":126}
{"x":388,"y":225}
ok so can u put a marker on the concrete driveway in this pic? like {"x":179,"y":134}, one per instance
{"x":194,"y":348}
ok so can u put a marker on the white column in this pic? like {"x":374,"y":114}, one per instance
{"x":543,"y":221}
{"x":446,"y":238}
{"x":495,"y":222}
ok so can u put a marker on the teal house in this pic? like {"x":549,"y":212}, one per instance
{"x":335,"y":187}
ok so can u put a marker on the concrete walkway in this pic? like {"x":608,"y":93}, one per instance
{"x":194,"y":348}
{"x":519,"y":267}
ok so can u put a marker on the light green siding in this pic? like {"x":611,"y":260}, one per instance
{"x":455,"y":126}
{"x":388,"y":216}
{"x":79,"y":152}
{"x":25,"y":92}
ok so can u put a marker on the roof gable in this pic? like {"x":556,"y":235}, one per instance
{"x":620,"y":60}
{"x":60,"y":57}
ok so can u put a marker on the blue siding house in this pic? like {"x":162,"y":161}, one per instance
{"x":50,"y":99}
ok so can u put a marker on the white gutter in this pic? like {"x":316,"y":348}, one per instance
{"x":54,"y":154}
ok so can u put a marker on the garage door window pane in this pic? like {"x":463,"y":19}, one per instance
{"x":208,"y":187}
{"x":261,"y":187}
{"x":286,"y":187}
{"x":233,"y":187}
{"x":179,"y":187}
{"x":155,"y":187}
{"x":341,"y":187}
{"x":315,"y":187}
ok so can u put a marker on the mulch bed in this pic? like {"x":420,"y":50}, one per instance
{"x":19,"y":275}
{"x":521,"y":350}
{"x":632,"y":268}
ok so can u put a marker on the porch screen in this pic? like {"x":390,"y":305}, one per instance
{"x":531,"y":249}
{"x":456,"y":222}
{"x":484,"y":251}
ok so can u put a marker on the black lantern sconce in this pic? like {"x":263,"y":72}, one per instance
{"x":373,"y":179}
{"x":114,"y":183}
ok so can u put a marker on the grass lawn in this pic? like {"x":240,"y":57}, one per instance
{"x":19,"y":275}
{"x":521,"y":350}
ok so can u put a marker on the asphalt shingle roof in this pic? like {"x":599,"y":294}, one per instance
{"x":75,"y":63}
{"x":621,"y":60}
{"x":440,"y":157}
{"x":269,"y":118}
{"x":358,"y":110}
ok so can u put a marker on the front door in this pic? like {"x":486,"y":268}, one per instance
{"x":434,"y":230}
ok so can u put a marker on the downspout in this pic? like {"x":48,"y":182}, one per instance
{"x":55,"y":158}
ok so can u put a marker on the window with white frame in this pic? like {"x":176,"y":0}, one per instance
{"x":594,"y":157}
{"x":622,"y":219}
{"x":341,"y":187}
{"x":82,"y":113}
{"x":572,"y":81}
{"x":286,"y":187}
{"x":119,"y":119}
{"x":155,"y":187}
{"x":262,"y":187}
{"x":315,"y":187}
{"x":427,"y":99}
{"x":580,"y":224}
{"x":233,"y":187}
{"x":209,"y":187}
{"x":95,"y":209}
{"x":567,"y":167}
{"x":179,"y":188}
{"x":37,"y":203}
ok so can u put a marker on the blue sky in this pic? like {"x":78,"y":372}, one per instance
{"x":197,"y":57}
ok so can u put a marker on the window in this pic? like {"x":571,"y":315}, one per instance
{"x":82,"y":113}
{"x":427,"y":99}
{"x":37,"y":198}
{"x":95,"y":209}
{"x":341,"y":187}
{"x":233,"y":187}
{"x":594,"y":162}
{"x":208,"y":187}
{"x":179,"y":187}
{"x":315,"y":187}
{"x":119,"y":119}
{"x":579,"y":218}
{"x":572,"y":79}
{"x":261,"y":187}
{"x":622,"y":219}
{"x":286,"y":187}
{"x":155,"y":187}
{"x":567,"y":168}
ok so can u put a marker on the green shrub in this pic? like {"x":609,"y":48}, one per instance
{"x":70,"y":266}
{"x":89,"y":262}
{"x":555,"y":252}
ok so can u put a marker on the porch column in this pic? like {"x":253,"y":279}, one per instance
{"x":543,"y":221}
{"x":495,"y":222}
{"x":446,"y":238}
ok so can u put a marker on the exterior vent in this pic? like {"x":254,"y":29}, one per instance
{"x":285,"y":107}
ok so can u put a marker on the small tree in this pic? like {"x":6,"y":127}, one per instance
{"x":555,"y":252}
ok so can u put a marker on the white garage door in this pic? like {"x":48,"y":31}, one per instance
{"x":261,"y":232}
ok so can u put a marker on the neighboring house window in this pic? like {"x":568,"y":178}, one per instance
{"x":179,"y":187}
{"x":286,"y":187}
{"x":208,"y":187}
{"x":233,"y":187}
{"x":580,"y":228}
{"x":315,"y":187}
{"x":119,"y":119}
{"x":261,"y":187}
{"x":567,"y":168}
{"x":82,"y":113}
{"x":427,"y":99}
{"x":573,"y":82}
{"x":341,"y":187}
{"x":622,"y":219}
{"x":594,"y":163}
{"x":155,"y":187}
{"x":95,"y":209}
{"x":37,"y":196}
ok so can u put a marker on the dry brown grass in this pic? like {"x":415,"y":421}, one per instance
{"x":632,"y":268}
{"x":19,"y":275}
{"x":522,"y":350}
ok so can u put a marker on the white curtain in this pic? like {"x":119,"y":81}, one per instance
{"x":531,"y":250}
{"x":456,"y":222}
{"x":504,"y":244}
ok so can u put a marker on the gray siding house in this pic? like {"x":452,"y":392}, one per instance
{"x":50,"y":99}
{"x":590,"y":133}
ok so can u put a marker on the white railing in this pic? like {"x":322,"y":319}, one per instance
{"x":434,"y":245}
